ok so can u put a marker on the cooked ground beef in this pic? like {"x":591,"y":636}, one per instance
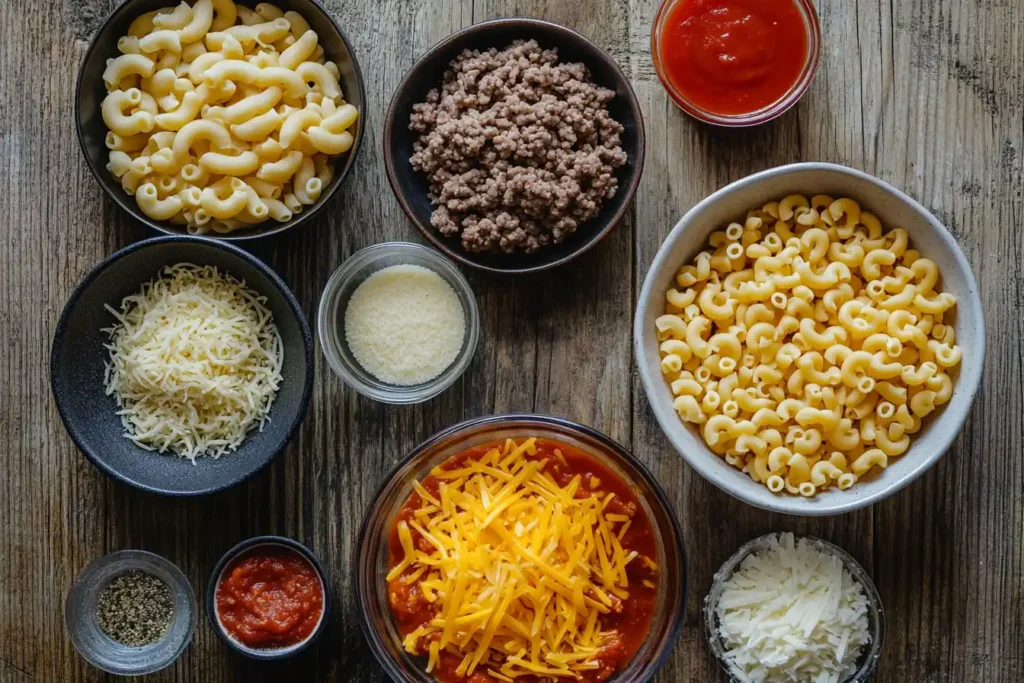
{"x":518,"y":149}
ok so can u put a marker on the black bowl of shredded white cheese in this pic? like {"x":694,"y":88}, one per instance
{"x":182,"y":365}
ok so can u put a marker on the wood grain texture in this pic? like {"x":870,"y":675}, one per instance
{"x":926,"y":94}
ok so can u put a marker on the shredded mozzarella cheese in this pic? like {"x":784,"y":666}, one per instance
{"x":195,"y":362}
{"x":792,"y":612}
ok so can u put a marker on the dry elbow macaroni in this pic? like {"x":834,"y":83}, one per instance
{"x":221,"y":117}
{"x":808,"y":343}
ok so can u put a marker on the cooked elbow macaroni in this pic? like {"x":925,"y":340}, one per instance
{"x":221,"y":117}
{"x":808,"y":343}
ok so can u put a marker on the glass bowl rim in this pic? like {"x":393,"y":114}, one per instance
{"x":674,"y":619}
{"x":120,"y":558}
{"x":873,"y":651}
{"x":330,"y":341}
{"x":812,"y":24}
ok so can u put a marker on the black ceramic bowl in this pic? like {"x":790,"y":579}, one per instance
{"x":411,"y":187}
{"x":78,"y":356}
{"x":90,"y":92}
{"x":279,"y":542}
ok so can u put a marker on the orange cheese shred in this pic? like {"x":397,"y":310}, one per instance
{"x":520,"y":568}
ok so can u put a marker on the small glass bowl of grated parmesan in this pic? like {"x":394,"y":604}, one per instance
{"x":398,"y":322}
{"x":787,"y":608}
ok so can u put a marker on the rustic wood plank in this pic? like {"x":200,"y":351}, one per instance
{"x":318,"y":491}
{"x":52,"y":507}
{"x":951,"y":132}
{"x":832,"y":121}
{"x":928,"y":95}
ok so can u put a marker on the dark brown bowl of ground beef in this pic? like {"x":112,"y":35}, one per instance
{"x":514,"y":145}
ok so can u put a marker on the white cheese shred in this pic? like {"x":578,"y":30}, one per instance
{"x":195,"y":362}
{"x":793,"y":613}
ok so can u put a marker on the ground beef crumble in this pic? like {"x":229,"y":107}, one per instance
{"x":518,"y":149}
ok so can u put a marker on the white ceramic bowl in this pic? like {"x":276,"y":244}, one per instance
{"x":894,"y":209}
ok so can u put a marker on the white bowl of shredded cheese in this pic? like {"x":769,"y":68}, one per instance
{"x":787,"y":608}
{"x":398,"y":323}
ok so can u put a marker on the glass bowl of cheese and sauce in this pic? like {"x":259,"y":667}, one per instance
{"x":521,"y":547}
{"x":398,"y":323}
{"x":736,"y":62}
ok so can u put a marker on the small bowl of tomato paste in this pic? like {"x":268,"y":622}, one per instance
{"x":267,"y":598}
{"x":736,"y":62}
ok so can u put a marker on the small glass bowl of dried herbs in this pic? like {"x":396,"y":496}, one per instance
{"x":131,"y":613}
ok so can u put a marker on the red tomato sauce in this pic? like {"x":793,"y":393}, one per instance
{"x":632,"y":624}
{"x":733,"y":57}
{"x":270,"y":599}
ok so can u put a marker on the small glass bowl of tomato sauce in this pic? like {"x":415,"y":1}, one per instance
{"x":267,"y":598}
{"x":736,"y":62}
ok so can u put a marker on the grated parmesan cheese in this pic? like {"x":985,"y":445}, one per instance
{"x":195,"y":362}
{"x":792,"y":612}
{"x":405,"y":324}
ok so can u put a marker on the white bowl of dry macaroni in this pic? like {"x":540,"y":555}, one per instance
{"x":211,"y":117}
{"x":810,"y":339}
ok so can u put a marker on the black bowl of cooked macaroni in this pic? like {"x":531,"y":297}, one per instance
{"x":236,"y":131}
{"x":158,"y":355}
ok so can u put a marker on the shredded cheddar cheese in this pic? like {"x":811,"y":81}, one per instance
{"x":520,"y":569}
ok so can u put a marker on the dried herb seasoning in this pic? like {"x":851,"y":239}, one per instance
{"x":135,"y":609}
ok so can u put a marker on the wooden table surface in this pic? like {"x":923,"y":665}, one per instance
{"x":926,"y":94}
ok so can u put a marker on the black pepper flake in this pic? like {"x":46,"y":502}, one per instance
{"x":135,"y":609}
